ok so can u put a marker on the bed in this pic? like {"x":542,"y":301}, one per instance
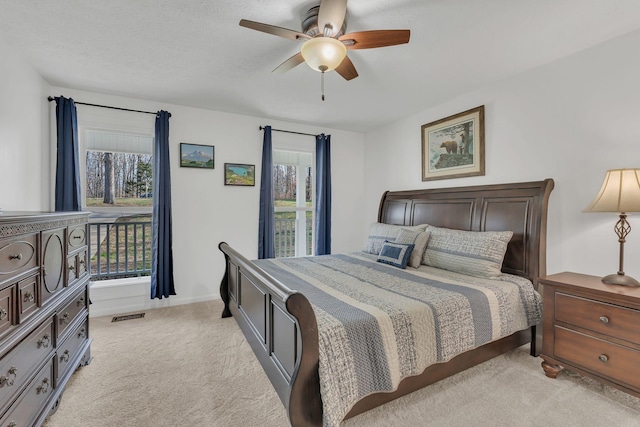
{"x":281,"y":317}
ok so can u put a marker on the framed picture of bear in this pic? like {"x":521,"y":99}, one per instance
{"x":453,"y":147}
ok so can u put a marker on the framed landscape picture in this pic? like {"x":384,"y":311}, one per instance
{"x":239,"y":174}
{"x":196,"y":156}
{"x":453,"y":147}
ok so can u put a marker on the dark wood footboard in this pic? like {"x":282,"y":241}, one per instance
{"x":281,"y":328}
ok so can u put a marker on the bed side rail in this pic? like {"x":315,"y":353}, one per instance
{"x":281,"y":328}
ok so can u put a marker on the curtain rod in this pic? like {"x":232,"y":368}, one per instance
{"x":289,"y":131}
{"x":51,"y":98}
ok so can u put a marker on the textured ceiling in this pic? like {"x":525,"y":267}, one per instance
{"x":194,"y":53}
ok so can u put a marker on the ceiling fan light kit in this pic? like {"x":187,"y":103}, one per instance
{"x":323,"y":53}
{"x":326,"y":45}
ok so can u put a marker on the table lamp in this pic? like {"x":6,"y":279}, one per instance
{"x":620,"y":192}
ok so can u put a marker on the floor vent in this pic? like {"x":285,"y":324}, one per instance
{"x":127,"y":317}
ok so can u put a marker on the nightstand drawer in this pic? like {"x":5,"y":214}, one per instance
{"x":597,"y":316}
{"x":601,"y":357}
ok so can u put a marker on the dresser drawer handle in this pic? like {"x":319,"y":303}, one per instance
{"x":604,"y":319}
{"x":82,"y":333}
{"x":80,"y":302}
{"x":12,"y":424}
{"x":77,"y":237}
{"x":44,"y":341}
{"x":44,"y":387}
{"x":64,"y":318}
{"x":19,"y":256}
{"x":3,"y":314}
{"x":603,"y":357}
{"x":29,"y":297}
{"x":72,"y":267}
{"x":8,"y":380}
{"x":65,"y":356}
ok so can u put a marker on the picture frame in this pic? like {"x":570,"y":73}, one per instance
{"x":453,"y":147}
{"x":239,"y":174}
{"x":197,"y":156}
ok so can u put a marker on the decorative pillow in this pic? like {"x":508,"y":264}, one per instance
{"x":380,"y":232}
{"x":474,"y":253}
{"x":396,"y":254}
{"x":419,"y":239}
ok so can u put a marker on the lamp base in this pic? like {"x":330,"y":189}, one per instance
{"x":620,"y":279}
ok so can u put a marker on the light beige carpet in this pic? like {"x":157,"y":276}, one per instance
{"x":185,"y":366}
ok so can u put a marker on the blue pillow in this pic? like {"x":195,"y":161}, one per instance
{"x":396,"y":254}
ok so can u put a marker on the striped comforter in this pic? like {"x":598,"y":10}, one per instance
{"x":378,"y":324}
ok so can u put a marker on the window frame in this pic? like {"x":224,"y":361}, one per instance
{"x":303,"y":146}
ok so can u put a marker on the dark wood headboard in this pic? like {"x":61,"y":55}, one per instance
{"x":519,"y":207}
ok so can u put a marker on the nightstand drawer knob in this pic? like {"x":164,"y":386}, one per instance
{"x":604,"y":319}
{"x":603,"y":357}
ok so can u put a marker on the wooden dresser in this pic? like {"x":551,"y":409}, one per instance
{"x":44,"y":316}
{"x":593,"y":329}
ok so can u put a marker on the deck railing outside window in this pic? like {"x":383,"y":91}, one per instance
{"x":119,"y":249}
{"x":123,"y":249}
{"x":285,"y":241}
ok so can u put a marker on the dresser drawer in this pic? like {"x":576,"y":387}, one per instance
{"x":82,"y":264}
{"x":18,"y":255}
{"x":598,"y":316}
{"x":77,"y":237}
{"x":27,"y":297}
{"x":24,"y":411}
{"x":20,"y":363}
{"x":67,"y":351}
{"x":7,"y":304}
{"x":77,"y":267}
{"x":65,"y":317}
{"x":602,"y":357}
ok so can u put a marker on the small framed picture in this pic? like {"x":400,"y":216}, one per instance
{"x":239,"y":174}
{"x":453,"y":147}
{"x":196,"y":156}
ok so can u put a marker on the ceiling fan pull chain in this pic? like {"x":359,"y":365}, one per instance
{"x":322,"y":84}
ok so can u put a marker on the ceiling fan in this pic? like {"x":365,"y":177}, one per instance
{"x":326,"y":44}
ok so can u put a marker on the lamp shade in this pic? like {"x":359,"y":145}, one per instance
{"x":323,"y":53}
{"x":620,"y":192}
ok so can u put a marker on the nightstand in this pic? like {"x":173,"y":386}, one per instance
{"x":593,"y":329}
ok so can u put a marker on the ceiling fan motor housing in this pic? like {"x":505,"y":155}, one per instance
{"x":310,"y":24}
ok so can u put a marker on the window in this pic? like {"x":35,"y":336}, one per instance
{"x":294,"y":202}
{"x":118,"y":190}
{"x":118,"y":170}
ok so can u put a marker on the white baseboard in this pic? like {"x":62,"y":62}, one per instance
{"x":120,"y":296}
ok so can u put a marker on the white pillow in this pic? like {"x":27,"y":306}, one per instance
{"x":379,"y":232}
{"x":419,"y":240}
{"x":475,"y":253}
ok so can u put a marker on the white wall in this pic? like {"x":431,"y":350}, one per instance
{"x":206,"y":212}
{"x":570,"y":120}
{"x":24,"y":130}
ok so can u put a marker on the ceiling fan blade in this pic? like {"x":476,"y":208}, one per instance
{"x":375,"y":38}
{"x":272,"y":29}
{"x":332,"y":13}
{"x":290,"y":63}
{"x":346,"y":69}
